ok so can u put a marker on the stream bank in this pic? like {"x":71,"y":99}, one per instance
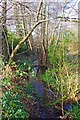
{"x":40,"y":109}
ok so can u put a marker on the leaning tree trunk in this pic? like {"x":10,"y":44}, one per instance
{"x":24,"y":40}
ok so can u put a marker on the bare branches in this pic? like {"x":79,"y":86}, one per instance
{"x":10,"y":7}
{"x":24,"y":40}
{"x":40,"y":5}
{"x":33,"y":11}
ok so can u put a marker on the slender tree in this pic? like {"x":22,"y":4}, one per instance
{"x":17,"y":19}
{"x":5,"y":47}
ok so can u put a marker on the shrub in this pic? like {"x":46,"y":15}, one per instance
{"x":62,"y":76}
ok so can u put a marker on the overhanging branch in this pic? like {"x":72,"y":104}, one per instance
{"x":24,"y":40}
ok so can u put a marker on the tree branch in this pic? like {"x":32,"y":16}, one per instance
{"x":24,"y":40}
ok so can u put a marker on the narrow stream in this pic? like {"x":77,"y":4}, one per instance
{"x":39,"y":87}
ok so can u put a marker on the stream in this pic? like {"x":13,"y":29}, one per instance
{"x":38,"y":85}
{"x":42,"y":111}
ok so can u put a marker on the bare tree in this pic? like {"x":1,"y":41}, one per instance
{"x":43,"y":35}
{"x":24,"y":40}
{"x":17,"y":19}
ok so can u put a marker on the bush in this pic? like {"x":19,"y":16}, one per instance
{"x":62,"y":76}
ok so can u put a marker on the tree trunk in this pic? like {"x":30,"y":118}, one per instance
{"x":46,"y":32}
{"x":24,"y":40}
{"x":17,"y":19}
{"x":5,"y":49}
{"x":43,"y":34}
{"x":30,"y":40}
{"x":0,"y":71}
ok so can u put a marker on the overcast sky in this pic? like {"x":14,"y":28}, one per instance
{"x":72,"y":11}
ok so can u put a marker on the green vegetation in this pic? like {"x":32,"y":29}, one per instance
{"x":39,"y":60}
{"x":18,"y":93}
{"x":14,"y":40}
{"x":74,"y":112}
{"x":61,"y":76}
{"x":12,"y":107}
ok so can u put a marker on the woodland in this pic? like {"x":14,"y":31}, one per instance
{"x":39,"y":60}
